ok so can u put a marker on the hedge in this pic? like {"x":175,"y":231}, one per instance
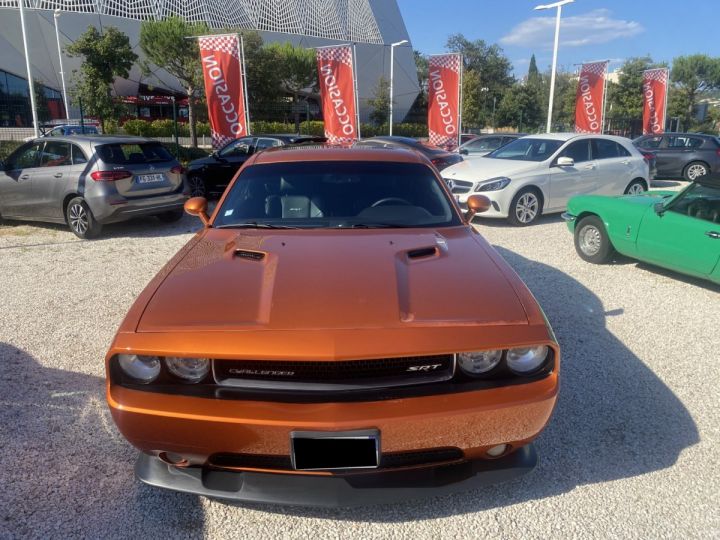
{"x":164,"y":128}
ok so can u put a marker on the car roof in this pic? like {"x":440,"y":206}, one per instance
{"x":570,"y":135}
{"x":334,"y":153}
{"x":98,"y":139}
{"x":393,"y":138}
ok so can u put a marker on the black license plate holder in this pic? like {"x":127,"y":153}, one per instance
{"x":332,"y":450}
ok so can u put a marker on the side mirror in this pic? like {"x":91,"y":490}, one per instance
{"x":565,"y":162}
{"x":464,"y":151}
{"x":477,"y":204}
{"x":659,"y":208}
{"x":197,"y":206}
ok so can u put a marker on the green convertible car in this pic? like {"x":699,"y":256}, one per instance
{"x":679,"y":230}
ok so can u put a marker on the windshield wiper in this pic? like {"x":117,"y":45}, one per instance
{"x":254,"y":225}
{"x":372,"y":226}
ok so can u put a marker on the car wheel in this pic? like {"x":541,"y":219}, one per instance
{"x":197,"y":186}
{"x":695,"y":170}
{"x":636,"y":187}
{"x":80,"y":219}
{"x":592,"y":242}
{"x":525,"y":207}
{"x":171,"y":217}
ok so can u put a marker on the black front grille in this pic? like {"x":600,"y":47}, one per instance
{"x":393,"y":460}
{"x":350,"y":374}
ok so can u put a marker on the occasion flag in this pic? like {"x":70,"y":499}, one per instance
{"x":444,"y":80}
{"x":655,"y":86}
{"x":337,"y":93}
{"x":224,"y":87}
{"x":590,"y":97}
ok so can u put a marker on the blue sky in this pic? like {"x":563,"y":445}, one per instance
{"x":590,"y":29}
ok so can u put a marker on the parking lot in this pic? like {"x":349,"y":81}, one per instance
{"x":633,"y":449}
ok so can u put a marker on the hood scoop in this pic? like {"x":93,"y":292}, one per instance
{"x":249,"y":255}
{"x":422,"y":253}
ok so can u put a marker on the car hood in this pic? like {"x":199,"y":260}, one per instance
{"x":333,"y":279}
{"x":483,"y":168}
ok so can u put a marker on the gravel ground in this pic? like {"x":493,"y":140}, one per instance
{"x":632,"y":450}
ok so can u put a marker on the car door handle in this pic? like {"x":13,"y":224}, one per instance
{"x":588,"y":167}
{"x":713,"y":234}
{"x":24,"y":177}
{"x":58,"y":175}
{"x":626,"y":162}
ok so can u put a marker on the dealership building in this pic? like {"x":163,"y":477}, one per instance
{"x":370,"y":24}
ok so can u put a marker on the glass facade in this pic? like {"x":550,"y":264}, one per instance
{"x":15,"y":102}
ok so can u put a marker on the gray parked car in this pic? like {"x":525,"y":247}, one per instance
{"x":682,"y":155}
{"x":86,"y":181}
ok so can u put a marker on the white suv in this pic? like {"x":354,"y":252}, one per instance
{"x":539,"y":173}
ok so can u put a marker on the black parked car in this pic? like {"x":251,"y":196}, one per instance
{"x":439,"y":157}
{"x":682,"y":155}
{"x":211,"y":175}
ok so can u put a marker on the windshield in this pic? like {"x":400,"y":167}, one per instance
{"x":337,"y":194}
{"x":527,"y":149}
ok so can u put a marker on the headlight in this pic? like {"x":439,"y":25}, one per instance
{"x":524,"y":360}
{"x":477,"y":363}
{"x":494,"y":184}
{"x":189,"y":369}
{"x":144,"y":369}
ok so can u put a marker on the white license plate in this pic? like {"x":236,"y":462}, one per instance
{"x":149,"y":178}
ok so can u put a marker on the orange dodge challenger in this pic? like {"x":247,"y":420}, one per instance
{"x":337,"y":334}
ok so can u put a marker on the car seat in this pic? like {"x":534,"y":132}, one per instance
{"x":293,"y":202}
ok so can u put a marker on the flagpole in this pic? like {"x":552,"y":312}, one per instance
{"x":667,"y":96}
{"x":461,"y":103}
{"x":605,"y":97}
{"x":245,"y":92}
{"x":357,"y":99}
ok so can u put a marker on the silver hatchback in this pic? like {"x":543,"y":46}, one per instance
{"x":86,"y":181}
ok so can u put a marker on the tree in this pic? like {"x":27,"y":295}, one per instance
{"x":492,"y":66}
{"x":263,"y":79}
{"x":694,"y":75}
{"x":533,"y":76}
{"x":297,"y":71}
{"x":380,"y":103}
{"x":472,"y":107}
{"x":520,"y":107}
{"x":164,"y":44}
{"x":625,"y":99}
{"x":105,"y":56}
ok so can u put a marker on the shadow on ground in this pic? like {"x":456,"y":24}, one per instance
{"x":615,"y":418}
{"x":66,"y":471}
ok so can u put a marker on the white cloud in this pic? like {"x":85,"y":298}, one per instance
{"x":592,"y":28}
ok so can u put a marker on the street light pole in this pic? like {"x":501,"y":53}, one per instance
{"x":392,"y":72}
{"x":31,"y":86}
{"x":559,"y":6}
{"x":56,"y":16}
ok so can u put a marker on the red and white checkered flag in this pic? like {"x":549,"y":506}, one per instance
{"x":337,"y":93}
{"x":444,"y":89}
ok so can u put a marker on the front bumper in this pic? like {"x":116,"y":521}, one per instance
{"x":336,"y":491}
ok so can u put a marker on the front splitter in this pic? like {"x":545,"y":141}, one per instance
{"x":338,"y":490}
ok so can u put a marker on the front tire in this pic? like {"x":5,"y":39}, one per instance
{"x":80,"y":219}
{"x":592,"y":242}
{"x":525,"y":208}
{"x":636,"y":187}
{"x":694,"y":170}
